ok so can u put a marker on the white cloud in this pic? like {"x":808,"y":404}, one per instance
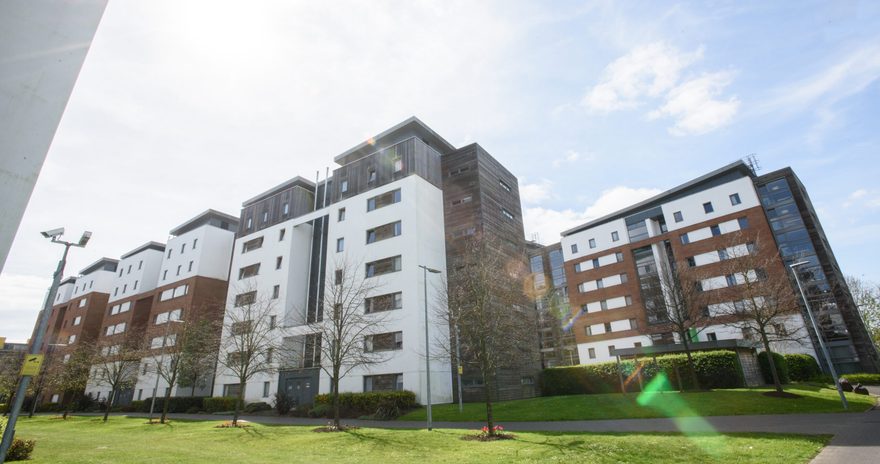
{"x":646,"y":71}
{"x":569,"y":157}
{"x":652,"y":73}
{"x":548,"y":223}
{"x":694,"y":106}
{"x":23,"y":297}
{"x":532,"y":194}
{"x":863,"y":197}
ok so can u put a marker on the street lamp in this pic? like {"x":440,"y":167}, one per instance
{"x":39,"y":388}
{"x":818,"y":334}
{"x":161,"y":360}
{"x":426,"y":270}
{"x":43,"y":318}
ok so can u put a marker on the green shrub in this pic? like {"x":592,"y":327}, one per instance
{"x":48,"y":407}
{"x":137,"y":406}
{"x":864,"y":379}
{"x":175,"y":403}
{"x":284,"y":403}
{"x":802,"y":367}
{"x":257,"y":407}
{"x":321,"y":410}
{"x":219,"y":404}
{"x":368,"y":403}
{"x":20,"y":450}
{"x":781,"y":367}
{"x":715,"y":369}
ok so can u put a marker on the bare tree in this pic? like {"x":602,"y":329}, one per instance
{"x":485,"y":300}
{"x":71,"y":375}
{"x":682,"y":307}
{"x":761,"y":296}
{"x":348,"y":330}
{"x":867,"y":298}
{"x":249,"y":341}
{"x":116,"y":364}
{"x":198,"y":360}
{"x":10,"y":366}
{"x":185,"y":352}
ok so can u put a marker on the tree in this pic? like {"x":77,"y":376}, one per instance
{"x":249,"y":341}
{"x":867,"y":298}
{"x":10,"y":367}
{"x":116,"y":365}
{"x":761,"y":295}
{"x":485,"y":300}
{"x":199,"y":358}
{"x":185,"y":352}
{"x":680,"y":304}
{"x":70,"y":377}
{"x":348,"y":329}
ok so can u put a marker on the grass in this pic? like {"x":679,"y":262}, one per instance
{"x":130,"y":440}
{"x":617,"y":406}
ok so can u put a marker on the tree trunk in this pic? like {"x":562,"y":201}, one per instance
{"x":487,"y":391}
{"x":238,"y":402}
{"x":109,"y":404}
{"x":335,"y":387}
{"x":773,"y":373}
{"x":691,"y":367}
{"x":167,"y":398}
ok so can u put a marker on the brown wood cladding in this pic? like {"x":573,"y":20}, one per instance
{"x":758,"y":231}
{"x":299,"y":200}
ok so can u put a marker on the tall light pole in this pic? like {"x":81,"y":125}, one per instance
{"x":426,"y":270}
{"x":55,"y":235}
{"x":818,"y":334}
{"x":158,"y":368}
{"x":39,"y":389}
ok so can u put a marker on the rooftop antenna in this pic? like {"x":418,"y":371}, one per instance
{"x":752,"y":162}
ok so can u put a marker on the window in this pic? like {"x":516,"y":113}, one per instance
{"x":684,"y":239}
{"x":273,"y":321}
{"x":340,"y":244}
{"x":231,"y":389}
{"x":385,"y":302}
{"x":734,"y":199}
{"x":249,"y":223}
{"x":77,"y":320}
{"x":623,"y":278}
{"x":251,"y":245}
{"x":383,"y":232}
{"x":265,"y":389}
{"x":383,"y":342}
{"x":607,"y":327}
{"x":338,"y":277}
{"x":178,"y":272}
{"x":115,"y":291}
{"x":398,"y":165}
{"x":600,"y":283}
{"x":276,"y":290}
{"x":458,"y":171}
{"x":136,"y":281}
{"x":169,"y":257}
{"x":281,"y":234}
{"x":716,"y":230}
{"x":633,"y":324}
{"x":504,"y":185}
{"x":340,"y":216}
{"x":591,"y":352}
{"x":731,"y":280}
{"x":711,"y":337}
{"x":269,"y":354}
{"x":610,"y":350}
{"x":120,"y":270}
{"x":780,"y":330}
{"x":129,"y":269}
{"x":182,"y":248}
{"x":707,"y":207}
{"x":385,"y":382}
{"x":574,"y":248}
{"x":603,"y":305}
{"x":124,"y":288}
{"x":245,"y":298}
{"x":371,"y":176}
{"x":691,"y":261}
{"x":343,"y":186}
{"x":619,"y":256}
{"x":592,"y":243}
{"x":285,"y":209}
{"x":677,"y":216}
{"x":265,"y":216}
{"x":385,"y":199}
{"x":82,"y":302}
{"x":506,"y":214}
{"x":614,"y":236}
{"x":462,"y":200}
{"x":249,"y":271}
{"x":383,"y":266}
{"x":165,"y":274}
{"x":743,"y":222}
{"x":760,"y":274}
{"x":162,"y":318}
{"x":71,"y":339}
{"x":190,"y":267}
{"x":278,"y":262}
{"x":195,"y":242}
{"x":241,"y":328}
{"x":722,"y":254}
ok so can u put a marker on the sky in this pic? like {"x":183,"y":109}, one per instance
{"x":187,"y":105}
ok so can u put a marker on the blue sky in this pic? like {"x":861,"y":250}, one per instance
{"x":184,"y":106}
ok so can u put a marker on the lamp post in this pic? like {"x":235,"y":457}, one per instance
{"x":158,"y":368}
{"x":43,"y":318}
{"x":426,"y":270}
{"x":39,"y":389}
{"x":818,"y":334}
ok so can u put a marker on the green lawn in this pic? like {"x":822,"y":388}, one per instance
{"x":667,"y":404}
{"x":130,"y":440}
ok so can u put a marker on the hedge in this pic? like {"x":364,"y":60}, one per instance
{"x":715,"y":369}
{"x":175,"y":404}
{"x":781,"y":367}
{"x":864,"y":379}
{"x":370,"y":402}
{"x":219,"y":404}
{"x":802,"y":367}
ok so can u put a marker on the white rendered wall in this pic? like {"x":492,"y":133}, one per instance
{"x":602,"y":235}
{"x":210,"y":257}
{"x":601,"y":348}
{"x":64,"y":293}
{"x":141,"y":268}
{"x":42,"y":47}
{"x":691,"y":206}
{"x":100,"y":281}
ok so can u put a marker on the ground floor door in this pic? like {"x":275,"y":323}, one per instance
{"x":301,"y":385}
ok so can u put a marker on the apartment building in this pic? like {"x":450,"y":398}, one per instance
{"x":614,"y":262}
{"x":550,"y":292}
{"x":387,"y":209}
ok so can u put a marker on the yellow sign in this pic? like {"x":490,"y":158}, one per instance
{"x":32,"y":363}
{"x":2,"y":341}
{"x":460,"y":370}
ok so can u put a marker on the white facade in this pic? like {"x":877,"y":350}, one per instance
{"x":138,"y":272}
{"x":65,"y":291}
{"x":204,"y":251}
{"x":692,"y":210}
{"x":99,"y":281}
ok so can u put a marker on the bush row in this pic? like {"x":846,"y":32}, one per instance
{"x":370,"y":403}
{"x":714,"y":369}
{"x":781,"y":367}
{"x":175,"y":404}
{"x":864,"y":379}
{"x":802,"y":367}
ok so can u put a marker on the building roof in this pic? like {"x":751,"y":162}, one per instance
{"x":297,"y":181}
{"x":411,"y":127}
{"x":205,"y":218}
{"x":69,"y":280}
{"x":146,"y":246}
{"x":108,"y":263}
{"x":738,"y":169}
